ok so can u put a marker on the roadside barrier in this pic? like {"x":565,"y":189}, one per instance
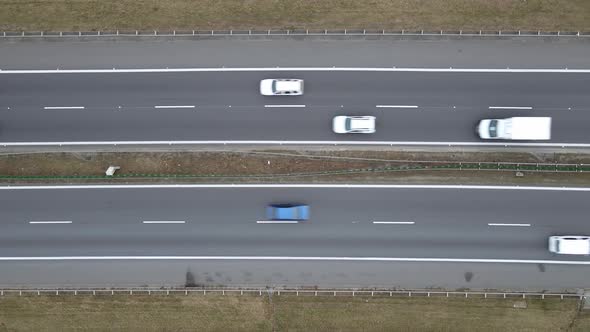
{"x":410,"y":166}
{"x":294,"y":32}
{"x":288,"y":292}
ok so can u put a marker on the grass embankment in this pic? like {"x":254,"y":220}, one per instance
{"x":285,"y":313}
{"x":287,"y":166}
{"x":86,"y":15}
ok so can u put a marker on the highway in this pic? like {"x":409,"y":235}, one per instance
{"x":355,"y":222}
{"x":394,"y":237}
{"x":221,"y":223}
{"x":410,"y":106}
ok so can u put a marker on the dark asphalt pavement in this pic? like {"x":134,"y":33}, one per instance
{"x":449,"y":223}
{"x":227,"y":105}
{"x":433,"y":52}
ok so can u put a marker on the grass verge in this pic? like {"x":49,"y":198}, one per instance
{"x":86,"y":15}
{"x":287,"y":166}
{"x":284,"y":313}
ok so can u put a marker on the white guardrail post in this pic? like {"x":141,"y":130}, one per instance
{"x":320,"y":292}
{"x":43,"y":34}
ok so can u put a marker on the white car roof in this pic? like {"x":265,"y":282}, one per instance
{"x":361,"y":124}
{"x":288,"y":85}
{"x":574,"y":245}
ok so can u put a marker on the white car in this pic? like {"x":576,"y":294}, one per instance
{"x":344,"y":124}
{"x":570,"y":245}
{"x":281,"y":87}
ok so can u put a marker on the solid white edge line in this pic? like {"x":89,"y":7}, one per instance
{"x":394,"y":222}
{"x":283,"y":106}
{"x":302,"y":185}
{"x":297,"y":258}
{"x":274,"y":69}
{"x":228,"y":142}
{"x":50,"y":222}
{"x":509,"y":225}
{"x":396,"y":106}
{"x":174,"y":106}
{"x":164,"y":222}
{"x":510,"y":108}
{"x":277,"y":222}
{"x":64,"y":107}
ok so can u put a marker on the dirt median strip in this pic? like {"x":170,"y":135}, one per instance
{"x":92,"y":15}
{"x":296,"y":166}
{"x":268,"y":312}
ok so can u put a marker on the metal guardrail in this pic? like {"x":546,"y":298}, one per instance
{"x":292,"y":292}
{"x":506,"y":166}
{"x":307,"y":32}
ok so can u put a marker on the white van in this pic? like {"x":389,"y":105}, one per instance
{"x":570,"y":245}
{"x":518,"y":128}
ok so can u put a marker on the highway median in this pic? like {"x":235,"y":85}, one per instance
{"x":328,"y":165}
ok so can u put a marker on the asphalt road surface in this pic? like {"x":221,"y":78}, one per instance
{"x":345,"y":222}
{"x":223,"y":222}
{"x":398,"y":275}
{"x":179,"y":106}
{"x":433,"y":52}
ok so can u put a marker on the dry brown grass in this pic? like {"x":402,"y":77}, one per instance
{"x":284,"y":167}
{"x":582,"y":322}
{"x":285,"y":313}
{"x":254,"y":162}
{"x":86,"y":15}
{"x":133,"y":313}
{"x":421,"y":314}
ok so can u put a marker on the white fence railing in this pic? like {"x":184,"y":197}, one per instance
{"x":291,"y":292}
{"x":307,"y":32}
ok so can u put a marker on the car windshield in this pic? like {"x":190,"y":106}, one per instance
{"x":274,"y":86}
{"x":347,"y":124}
{"x":494,"y":128}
